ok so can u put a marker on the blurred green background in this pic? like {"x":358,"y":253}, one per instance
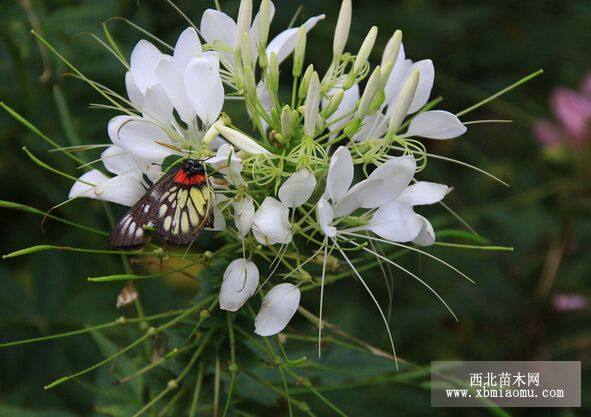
{"x":478,"y":47}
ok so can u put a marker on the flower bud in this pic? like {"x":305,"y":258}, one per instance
{"x":273,"y":73}
{"x":377,"y":102}
{"x":305,"y":81}
{"x":371,"y":89}
{"x":288,"y":119}
{"x":352,"y":127}
{"x":300,"y":52}
{"x":246,"y":51}
{"x":403,"y":102}
{"x":341,"y":32}
{"x":241,"y":141}
{"x":312,"y":112}
{"x":365,"y":49}
{"x":264,"y":22}
{"x":212,"y":132}
{"x":333,"y":103}
{"x":351,"y":79}
{"x":244,"y":20}
{"x":250,"y":84}
{"x":392,"y":48}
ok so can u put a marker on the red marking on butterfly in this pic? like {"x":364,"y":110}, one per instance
{"x":185,"y":178}
{"x":158,"y":209}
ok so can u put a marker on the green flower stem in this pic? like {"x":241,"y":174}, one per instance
{"x":204,"y":315}
{"x":197,"y":390}
{"x":33,"y":210}
{"x":142,"y":30}
{"x":80,"y":74}
{"x":52,"y":169}
{"x":168,"y":406}
{"x":174,"y":383}
{"x":134,"y":277}
{"x":154,"y":400}
{"x":114,"y":45}
{"x":361,"y":268}
{"x":149,"y":333}
{"x":216,"y":385}
{"x":233,"y":366}
{"x":500,"y":93}
{"x":37,"y":132}
{"x":300,"y":404}
{"x":117,"y":322}
{"x":476,"y":247}
{"x":41,"y":248}
{"x":173,"y":353}
{"x":306,"y":382}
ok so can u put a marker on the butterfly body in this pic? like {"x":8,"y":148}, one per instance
{"x":178,"y":206}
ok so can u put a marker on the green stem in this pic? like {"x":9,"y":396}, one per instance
{"x":117,"y":322}
{"x":500,"y":93}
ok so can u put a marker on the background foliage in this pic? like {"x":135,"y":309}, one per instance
{"x":478,"y":47}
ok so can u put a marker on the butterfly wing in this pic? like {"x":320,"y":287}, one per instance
{"x":184,"y":211}
{"x":177,"y":210}
{"x":129,"y":232}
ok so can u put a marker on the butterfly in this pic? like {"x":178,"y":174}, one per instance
{"x":178,"y":206}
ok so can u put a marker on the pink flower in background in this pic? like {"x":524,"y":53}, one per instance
{"x":572,"y":110}
{"x":569,"y":302}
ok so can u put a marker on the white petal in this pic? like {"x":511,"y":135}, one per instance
{"x":218,"y":27}
{"x":396,"y":173}
{"x":244,"y":215}
{"x":340,"y":174}
{"x":436,"y":124}
{"x":271,"y":223}
{"x":225,"y":160}
{"x":426,"y":78}
{"x":157,"y":106}
{"x":241,"y":141}
{"x":384,"y":184}
{"x":118,"y":161}
{"x":348,"y":104}
{"x":139,"y":138}
{"x":240,"y":282}
{"x":423,"y":192}
{"x":279,"y":306}
{"x":83,"y":187}
{"x":298,"y":188}
{"x":395,"y":222}
{"x":374,"y":127}
{"x":397,"y":76}
{"x":187,"y":47}
{"x":171,"y":78}
{"x":426,"y":236}
{"x":203,"y":87}
{"x":145,"y":57}
{"x":355,"y":197}
{"x":219,"y":220}
{"x":284,"y":43}
{"x":122,"y":189}
{"x":136,"y":97}
{"x":115,"y":125}
{"x":254,"y":28}
{"x":325,"y":217}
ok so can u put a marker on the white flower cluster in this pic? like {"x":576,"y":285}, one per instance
{"x":292,"y":181}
